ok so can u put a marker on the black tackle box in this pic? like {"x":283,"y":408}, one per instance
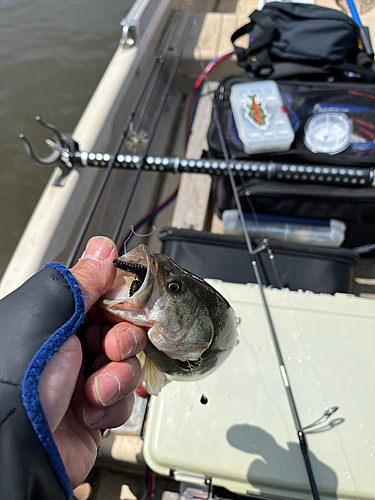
{"x":225,"y":257}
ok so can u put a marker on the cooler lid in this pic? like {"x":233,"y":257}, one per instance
{"x":244,"y":438}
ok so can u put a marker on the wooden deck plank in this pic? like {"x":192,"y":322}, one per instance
{"x":214,"y":36}
{"x":366,"y":11}
{"x":193,"y":196}
{"x":191,"y":205}
{"x":246,"y":7}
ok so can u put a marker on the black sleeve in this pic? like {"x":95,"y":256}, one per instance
{"x":35,"y":320}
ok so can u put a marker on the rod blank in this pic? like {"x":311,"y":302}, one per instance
{"x":276,"y":171}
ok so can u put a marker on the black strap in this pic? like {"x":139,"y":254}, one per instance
{"x":263,"y":21}
{"x":292,"y":69}
{"x":365,"y":37}
{"x":256,"y":54}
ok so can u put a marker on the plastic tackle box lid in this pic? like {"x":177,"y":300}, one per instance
{"x":261,"y":121}
{"x":244,"y":438}
{"x":328,"y":133}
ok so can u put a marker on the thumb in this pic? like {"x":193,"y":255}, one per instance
{"x":95,"y":272}
{"x":60,"y":372}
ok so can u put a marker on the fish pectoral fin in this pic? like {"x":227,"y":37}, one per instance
{"x":153,"y":377}
{"x":141,"y":358}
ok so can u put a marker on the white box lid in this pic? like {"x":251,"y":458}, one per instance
{"x":261,"y":121}
{"x":244,"y":438}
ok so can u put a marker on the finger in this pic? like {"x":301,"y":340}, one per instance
{"x":105,"y":418}
{"x":101,"y":361}
{"x":58,"y":380}
{"x":94,"y":337}
{"x":124,"y":340}
{"x":95,"y":272}
{"x":113,"y":382}
{"x":99,"y":315}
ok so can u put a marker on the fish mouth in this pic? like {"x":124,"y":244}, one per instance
{"x":139,"y":271}
{"x":133,"y":277}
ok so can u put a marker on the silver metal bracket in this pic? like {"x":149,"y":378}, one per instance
{"x":130,"y":33}
{"x":62,"y":147}
{"x":185,"y":477}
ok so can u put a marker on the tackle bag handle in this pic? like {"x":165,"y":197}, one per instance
{"x":246,"y":57}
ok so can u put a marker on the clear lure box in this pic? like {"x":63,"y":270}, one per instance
{"x":262,"y":123}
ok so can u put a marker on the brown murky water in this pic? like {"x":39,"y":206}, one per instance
{"x":52,"y":56}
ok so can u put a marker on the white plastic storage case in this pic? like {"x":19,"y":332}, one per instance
{"x":262,"y":123}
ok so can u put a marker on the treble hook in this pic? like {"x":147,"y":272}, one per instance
{"x":55,"y":155}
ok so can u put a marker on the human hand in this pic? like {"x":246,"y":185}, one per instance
{"x":76,"y":409}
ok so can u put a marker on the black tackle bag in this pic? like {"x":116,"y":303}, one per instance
{"x":286,"y":39}
{"x":322,"y":61}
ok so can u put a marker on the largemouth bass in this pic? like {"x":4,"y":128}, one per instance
{"x":192,"y":328}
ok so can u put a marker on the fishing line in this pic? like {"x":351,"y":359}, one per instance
{"x":132,"y":233}
{"x":163,"y":99}
{"x":283,"y":372}
{"x":271,"y":255}
{"x":105,"y":203}
{"x":152,"y":214}
{"x":267,"y":245}
{"x":161,"y":58}
{"x":204,"y":399}
{"x":286,"y":296}
{"x":282,"y":369}
{"x":142,"y":235}
{"x":297,"y":329}
{"x":195,"y":95}
{"x":156,"y":78}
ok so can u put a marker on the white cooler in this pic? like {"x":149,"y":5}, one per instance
{"x":244,"y":439}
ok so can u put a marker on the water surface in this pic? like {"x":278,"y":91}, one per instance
{"x":52,"y":56}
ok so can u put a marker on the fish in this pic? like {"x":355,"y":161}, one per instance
{"x":192,"y":328}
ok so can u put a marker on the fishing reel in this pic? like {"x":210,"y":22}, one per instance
{"x":63,"y":149}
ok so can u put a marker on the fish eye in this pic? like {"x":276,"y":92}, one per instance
{"x":174,"y":284}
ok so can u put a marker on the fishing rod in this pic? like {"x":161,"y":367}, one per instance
{"x":64,"y":142}
{"x":158,"y":60}
{"x":283,"y":371}
{"x":264,"y":170}
{"x":255,"y":266}
{"x":66,"y":150}
{"x":162,"y":101}
{"x":353,"y":177}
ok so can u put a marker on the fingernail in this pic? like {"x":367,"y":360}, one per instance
{"x":127,"y":344}
{"x":107,"y":388}
{"x":93,"y":416}
{"x":98,"y":248}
